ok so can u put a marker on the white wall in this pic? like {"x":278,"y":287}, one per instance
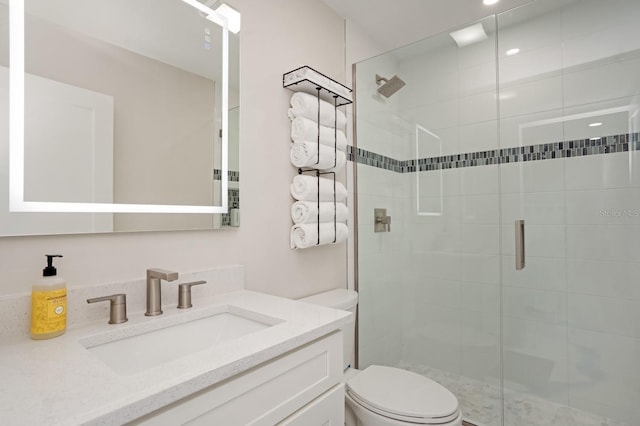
{"x":277,"y":36}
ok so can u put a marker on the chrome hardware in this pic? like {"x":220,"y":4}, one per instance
{"x":520,"y":258}
{"x":184,"y":294}
{"x":381,"y":222}
{"x":154,"y":291}
{"x":117,"y":308}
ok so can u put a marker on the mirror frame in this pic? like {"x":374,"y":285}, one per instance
{"x":17,"y":202}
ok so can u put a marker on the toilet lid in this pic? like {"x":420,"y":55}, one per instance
{"x":403,"y":395}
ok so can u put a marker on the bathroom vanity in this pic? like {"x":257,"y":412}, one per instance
{"x":302,"y":387}
{"x":236,"y":358}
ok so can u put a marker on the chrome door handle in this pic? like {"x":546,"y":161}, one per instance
{"x":520,"y":254}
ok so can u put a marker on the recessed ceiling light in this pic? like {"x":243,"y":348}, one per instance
{"x":595,"y":124}
{"x":490,"y":2}
{"x":513,"y":51}
{"x":469,"y":35}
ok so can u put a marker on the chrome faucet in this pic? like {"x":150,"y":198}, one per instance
{"x":154,"y":292}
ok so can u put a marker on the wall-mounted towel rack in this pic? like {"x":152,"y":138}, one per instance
{"x":306,"y":79}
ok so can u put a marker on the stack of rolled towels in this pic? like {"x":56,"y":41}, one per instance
{"x":305,"y":128}
{"x":318,"y":218}
{"x":307,"y":212}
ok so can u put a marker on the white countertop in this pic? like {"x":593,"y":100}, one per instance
{"x":60,"y":382}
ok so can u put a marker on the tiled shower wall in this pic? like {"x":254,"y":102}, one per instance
{"x":440,"y":290}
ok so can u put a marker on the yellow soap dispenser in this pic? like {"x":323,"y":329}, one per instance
{"x":48,"y":303}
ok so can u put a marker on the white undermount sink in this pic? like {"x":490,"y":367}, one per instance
{"x":160,"y":340}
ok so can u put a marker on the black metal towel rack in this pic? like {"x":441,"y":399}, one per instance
{"x":306,"y":85}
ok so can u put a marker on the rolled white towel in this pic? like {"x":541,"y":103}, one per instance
{"x":306,"y":105}
{"x":303,"y":129}
{"x":305,"y":235}
{"x":305,"y":188}
{"x":305,"y":154}
{"x":307,"y":212}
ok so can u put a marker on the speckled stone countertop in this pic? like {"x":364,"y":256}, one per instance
{"x":60,"y":382}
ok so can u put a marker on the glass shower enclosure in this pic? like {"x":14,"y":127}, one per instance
{"x":530,"y":115}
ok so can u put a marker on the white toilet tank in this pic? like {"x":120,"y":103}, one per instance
{"x":345,"y":300}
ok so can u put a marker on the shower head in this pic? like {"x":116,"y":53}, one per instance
{"x":390,"y":86}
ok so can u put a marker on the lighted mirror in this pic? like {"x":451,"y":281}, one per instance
{"x":117,"y":115}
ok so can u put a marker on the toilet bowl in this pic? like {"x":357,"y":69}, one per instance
{"x":381,"y":395}
{"x":387,"y":396}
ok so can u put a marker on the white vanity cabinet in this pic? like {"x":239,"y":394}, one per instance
{"x":326,"y":410}
{"x":300,"y":387}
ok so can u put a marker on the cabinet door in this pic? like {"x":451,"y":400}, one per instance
{"x":325,"y":410}
{"x":263,"y":395}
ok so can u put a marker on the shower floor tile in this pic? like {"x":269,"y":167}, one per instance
{"x":482,"y":403}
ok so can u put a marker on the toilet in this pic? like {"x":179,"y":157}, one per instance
{"x":387,"y":396}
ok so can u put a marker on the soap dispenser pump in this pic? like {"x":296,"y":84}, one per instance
{"x":48,"y":303}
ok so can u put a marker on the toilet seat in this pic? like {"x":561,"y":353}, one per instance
{"x":404,"y":396}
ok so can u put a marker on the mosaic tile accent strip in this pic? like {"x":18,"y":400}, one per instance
{"x":233,"y":176}
{"x":372,"y":159}
{"x":547,"y":151}
{"x":234,"y":199}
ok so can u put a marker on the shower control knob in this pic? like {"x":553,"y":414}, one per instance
{"x":381,"y":222}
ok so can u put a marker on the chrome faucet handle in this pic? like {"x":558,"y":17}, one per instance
{"x":184,"y":294}
{"x":154,"y":291}
{"x":117,"y":307}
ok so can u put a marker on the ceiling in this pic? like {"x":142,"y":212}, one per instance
{"x":394,"y":23}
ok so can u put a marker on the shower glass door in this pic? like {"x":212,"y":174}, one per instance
{"x":430,"y":288}
{"x":569,"y":80}
{"x":528,"y":115}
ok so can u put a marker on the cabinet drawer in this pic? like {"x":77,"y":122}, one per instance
{"x":263,"y":395}
{"x":325,"y":410}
